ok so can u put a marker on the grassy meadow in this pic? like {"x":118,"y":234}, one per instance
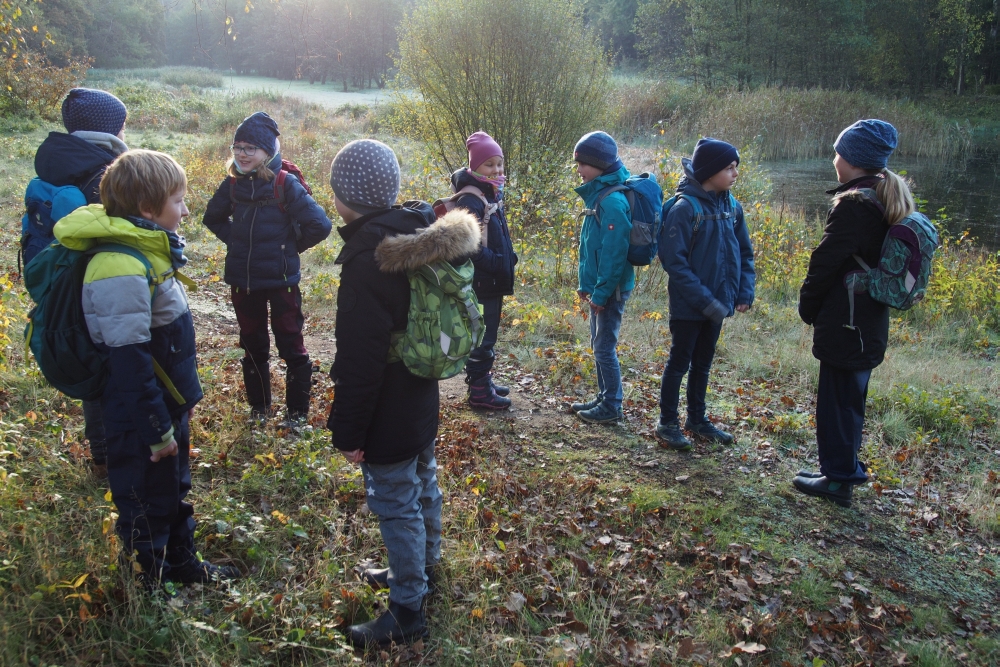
{"x":564,"y":544}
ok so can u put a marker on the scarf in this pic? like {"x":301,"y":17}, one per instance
{"x":177,"y":242}
{"x":104,"y":140}
{"x":497,"y":183}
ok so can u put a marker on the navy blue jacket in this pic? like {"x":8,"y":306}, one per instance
{"x":854,"y":226}
{"x":63,"y":159}
{"x":261,"y":249}
{"x":494,"y":263}
{"x":713,"y":272}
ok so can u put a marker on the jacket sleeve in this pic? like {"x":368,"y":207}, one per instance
{"x":218,"y":213}
{"x":839,"y":242}
{"x":616,"y":227}
{"x":486,"y":259}
{"x":122,"y":313}
{"x":748,"y":276}
{"x":674,"y":250}
{"x":312,"y":219}
{"x":364,"y":326}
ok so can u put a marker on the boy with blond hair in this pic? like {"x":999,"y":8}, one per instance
{"x":136,"y":309}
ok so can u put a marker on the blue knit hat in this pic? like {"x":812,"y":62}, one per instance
{"x":599,"y":150}
{"x":712,"y":156}
{"x":259,"y":130}
{"x":365,"y":176}
{"x":867,"y":144}
{"x":86,"y":109}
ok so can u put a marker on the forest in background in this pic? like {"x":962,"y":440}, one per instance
{"x":908,"y":46}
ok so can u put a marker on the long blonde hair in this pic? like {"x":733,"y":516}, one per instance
{"x":894,"y":193}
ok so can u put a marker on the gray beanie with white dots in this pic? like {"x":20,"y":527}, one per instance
{"x":365,"y":176}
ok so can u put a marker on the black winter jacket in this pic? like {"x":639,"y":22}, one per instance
{"x":63,"y":159}
{"x":494,"y":263}
{"x":854,"y":227}
{"x":262,"y":251}
{"x":380,"y":407}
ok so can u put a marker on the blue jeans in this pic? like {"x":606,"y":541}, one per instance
{"x":840,"y":416}
{"x":406,"y":498}
{"x":481,"y":359}
{"x":692,"y":346}
{"x":604,"y":328}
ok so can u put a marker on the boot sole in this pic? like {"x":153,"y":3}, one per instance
{"x":589,"y":420}
{"x":488,"y":406}
{"x":818,"y":494}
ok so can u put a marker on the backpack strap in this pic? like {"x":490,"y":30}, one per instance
{"x":603,"y":194}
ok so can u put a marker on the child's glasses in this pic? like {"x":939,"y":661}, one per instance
{"x":249,"y":151}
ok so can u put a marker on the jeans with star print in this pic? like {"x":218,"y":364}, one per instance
{"x":406,"y":498}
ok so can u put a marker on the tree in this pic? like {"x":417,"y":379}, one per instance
{"x":526,"y":71}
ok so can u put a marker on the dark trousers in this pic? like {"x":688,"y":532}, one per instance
{"x":692,"y":346}
{"x":840,"y":416}
{"x":154,"y":523}
{"x":286,"y":323}
{"x":93,"y":431}
{"x":481,"y":360}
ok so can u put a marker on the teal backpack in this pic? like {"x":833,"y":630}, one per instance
{"x":444,"y":323}
{"x":57,"y":332}
{"x":900,"y":278}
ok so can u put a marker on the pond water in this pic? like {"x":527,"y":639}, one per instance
{"x":967,"y":188}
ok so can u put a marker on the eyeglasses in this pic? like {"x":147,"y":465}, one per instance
{"x":249,"y":151}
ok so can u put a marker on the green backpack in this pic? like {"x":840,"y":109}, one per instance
{"x":444,"y":324}
{"x":57,"y":332}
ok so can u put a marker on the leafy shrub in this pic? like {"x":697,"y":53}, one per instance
{"x":29,"y":85}
{"x":526,"y":71}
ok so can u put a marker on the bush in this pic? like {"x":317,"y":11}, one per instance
{"x":29,"y":85}
{"x":527,"y":71}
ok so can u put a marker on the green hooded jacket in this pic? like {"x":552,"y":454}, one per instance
{"x":604,"y":266}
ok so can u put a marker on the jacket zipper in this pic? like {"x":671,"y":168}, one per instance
{"x":253,"y":191}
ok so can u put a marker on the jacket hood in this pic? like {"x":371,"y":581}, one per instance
{"x":369,"y":230}
{"x":450,"y":238}
{"x":88,"y":226}
{"x":65,"y":159}
{"x":462,"y":178}
{"x":588,"y":191}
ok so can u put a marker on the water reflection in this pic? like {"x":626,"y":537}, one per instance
{"x":968,"y":189}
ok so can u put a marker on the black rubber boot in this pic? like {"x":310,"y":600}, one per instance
{"x":821,"y":487}
{"x":809,"y":474}
{"x":379,"y":579}
{"x":257,"y":381}
{"x":481,"y":395}
{"x":298,"y":384}
{"x":399,"y":625}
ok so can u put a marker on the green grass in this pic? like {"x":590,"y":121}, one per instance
{"x":564,"y":543}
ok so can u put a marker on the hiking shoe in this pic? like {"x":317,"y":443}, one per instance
{"x":203,"y":572}
{"x":673,"y":437}
{"x":589,"y":405}
{"x":379,"y":579}
{"x":481,"y":395}
{"x":499,"y":389}
{"x":821,"y":487}
{"x":706,"y":431}
{"x":602,"y":413}
{"x":398,"y":625}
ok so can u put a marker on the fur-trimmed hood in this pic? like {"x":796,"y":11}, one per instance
{"x":450,"y":238}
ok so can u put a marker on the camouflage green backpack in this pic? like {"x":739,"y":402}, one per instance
{"x":444,"y":323}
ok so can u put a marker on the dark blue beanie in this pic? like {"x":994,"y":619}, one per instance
{"x":259,"y":130}
{"x":867,"y":144}
{"x":599,"y":150}
{"x":89,"y":110}
{"x":712,"y":156}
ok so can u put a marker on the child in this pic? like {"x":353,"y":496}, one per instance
{"x":153,"y":383}
{"x":384,"y":417}
{"x":263,"y":240}
{"x":855,"y":227}
{"x":94,"y":137}
{"x":494,"y":261}
{"x":606,"y":279}
{"x":711,"y":275}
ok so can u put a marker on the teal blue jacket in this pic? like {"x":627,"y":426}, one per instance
{"x":604,"y":248}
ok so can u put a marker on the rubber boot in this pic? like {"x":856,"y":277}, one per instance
{"x":399,"y":625}
{"x":298,"y":384}
{"x":257,"y":380}
{"x":379,"y":578}
{"x":481,"y":395}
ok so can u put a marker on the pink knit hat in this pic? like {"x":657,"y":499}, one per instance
{"x":481,"y":148}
